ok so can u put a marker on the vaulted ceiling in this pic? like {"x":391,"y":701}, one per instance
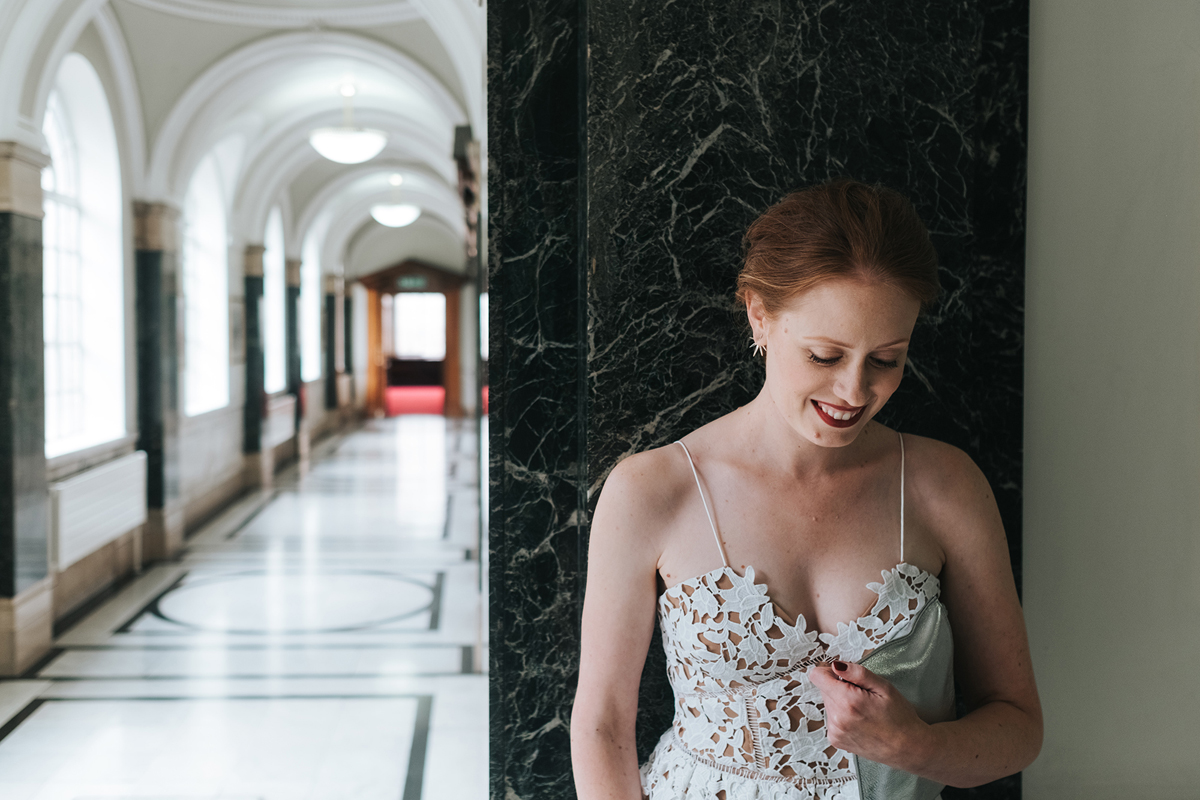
{"x":251,"y":80}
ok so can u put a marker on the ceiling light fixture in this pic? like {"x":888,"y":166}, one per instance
{"x":347,"y":144}
{"x":395,"y":215}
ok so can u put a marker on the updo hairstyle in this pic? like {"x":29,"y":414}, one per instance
{"x":843,"y":228}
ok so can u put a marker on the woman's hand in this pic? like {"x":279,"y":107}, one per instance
{"x":867,"y":716}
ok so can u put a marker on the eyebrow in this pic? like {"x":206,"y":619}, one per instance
{"x":848,"y":347}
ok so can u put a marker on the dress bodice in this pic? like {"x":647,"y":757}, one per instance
{"x":744,"y":704}
{"x":749,"y":724}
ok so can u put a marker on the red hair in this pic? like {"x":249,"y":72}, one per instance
{"x":838,"y":229}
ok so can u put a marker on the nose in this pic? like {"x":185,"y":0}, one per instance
{"x":851,"y":385}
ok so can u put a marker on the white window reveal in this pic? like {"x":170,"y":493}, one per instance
{"x":84,"y":265}
{"x":420,"y":325}
{"x":205,"y":292}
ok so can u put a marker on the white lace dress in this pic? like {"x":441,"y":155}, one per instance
{"x":749,"y":724}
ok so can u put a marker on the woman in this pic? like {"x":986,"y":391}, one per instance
{"x":759,"y":539}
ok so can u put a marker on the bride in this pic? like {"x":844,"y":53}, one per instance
{"x":820,"y":580}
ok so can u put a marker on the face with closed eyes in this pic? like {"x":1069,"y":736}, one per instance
{"x":835,"y":354}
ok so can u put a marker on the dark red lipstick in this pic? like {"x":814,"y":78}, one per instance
{"x":838,"y":423}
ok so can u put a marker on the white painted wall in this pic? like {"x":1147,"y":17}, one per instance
{"x":1112,"y":408}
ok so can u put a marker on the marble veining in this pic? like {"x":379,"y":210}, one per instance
{"x":697,"y":117}
{"x":24,"y":497}
{"x":158,"y":374}
{"x":536,"y":357}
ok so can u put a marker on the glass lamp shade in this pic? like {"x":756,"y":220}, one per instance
{"x":395,"y":216}
{"x":348,"y":145}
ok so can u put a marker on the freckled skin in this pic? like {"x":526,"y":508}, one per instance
{"x":805,"y":501}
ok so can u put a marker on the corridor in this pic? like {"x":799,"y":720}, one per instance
{"x":322,"y":640}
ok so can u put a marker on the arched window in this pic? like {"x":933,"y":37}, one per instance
{"x":274,"y":320}
{"x":205,"y":292}
{"x":83,"y":265}
{"x":310,"y":311}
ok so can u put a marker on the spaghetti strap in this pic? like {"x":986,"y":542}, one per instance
{"x":901,"y":435}
{"x":704,"y":503}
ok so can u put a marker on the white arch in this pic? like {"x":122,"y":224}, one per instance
{"x":128,"y":99}
{"x":373,"y":247}
{"x":34,"y":37}
{"x":194,"y":121}
{"x":456,"y":23}
{"x":343,"y":183}
{"x":287,"y":153}
{"x":349,"y":217}
{"x":343,"y":204}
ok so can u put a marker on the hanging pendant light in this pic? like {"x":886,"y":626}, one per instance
{"x":347,"y":144}
{"x":395,"y":215}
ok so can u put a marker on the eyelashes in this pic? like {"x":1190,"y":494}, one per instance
{"x":829,"y":362}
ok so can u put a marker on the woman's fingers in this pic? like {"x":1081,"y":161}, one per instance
{"x":860,"y":676}
{"x":864,"y":714}
{"x":840,"y":675}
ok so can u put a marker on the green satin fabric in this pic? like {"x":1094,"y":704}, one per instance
{"x":920,"y":665}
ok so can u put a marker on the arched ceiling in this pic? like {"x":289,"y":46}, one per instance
{"x":253,"y":78}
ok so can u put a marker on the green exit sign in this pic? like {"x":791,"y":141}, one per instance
{"x":413,"y":282}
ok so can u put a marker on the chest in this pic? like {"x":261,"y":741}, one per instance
{"x":816,"y":543}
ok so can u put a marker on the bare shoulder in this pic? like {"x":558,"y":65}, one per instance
{"x":949,"y":493}
{"x":642,"y":496}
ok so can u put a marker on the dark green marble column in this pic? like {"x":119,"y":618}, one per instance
{"x":25,"y":613}
{"x":156,"y":303}
{"x":295,"y":383}
{"x":330,"y":328}
{"x":255,"y":367}
{"x":260,"y":461}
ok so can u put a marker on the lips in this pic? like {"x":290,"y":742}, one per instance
{"x":826,"y":412}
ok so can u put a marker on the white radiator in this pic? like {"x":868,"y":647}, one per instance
{"x":89,"y":510}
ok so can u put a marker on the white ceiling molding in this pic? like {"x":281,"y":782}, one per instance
{"x":334,"y":15}
{"x":237,"y":80}
{"x":129,"y":101}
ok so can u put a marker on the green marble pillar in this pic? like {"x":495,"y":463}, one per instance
{"x":295,"y":382}
{"x":255,"y":367}
{"x":25,"y":585}
{"x":330,"y":328}
{"x":156,"y":302}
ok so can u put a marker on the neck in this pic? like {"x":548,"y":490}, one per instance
{"x":775,"y":443}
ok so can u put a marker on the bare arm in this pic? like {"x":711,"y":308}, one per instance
{"x":618,"y":621}
{"x":1003,"y":732}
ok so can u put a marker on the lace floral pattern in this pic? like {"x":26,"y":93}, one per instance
{"x":748,"y":721}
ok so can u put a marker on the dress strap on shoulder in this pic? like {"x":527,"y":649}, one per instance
{"x":901,"y":435}
{"x":704,"y":502}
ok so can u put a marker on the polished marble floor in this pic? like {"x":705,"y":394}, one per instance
{"x":322,"y":641}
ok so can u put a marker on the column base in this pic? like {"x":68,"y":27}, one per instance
{"x":259,"y":469}
{"x":26,"y":628}
{"x":162,"y":537}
